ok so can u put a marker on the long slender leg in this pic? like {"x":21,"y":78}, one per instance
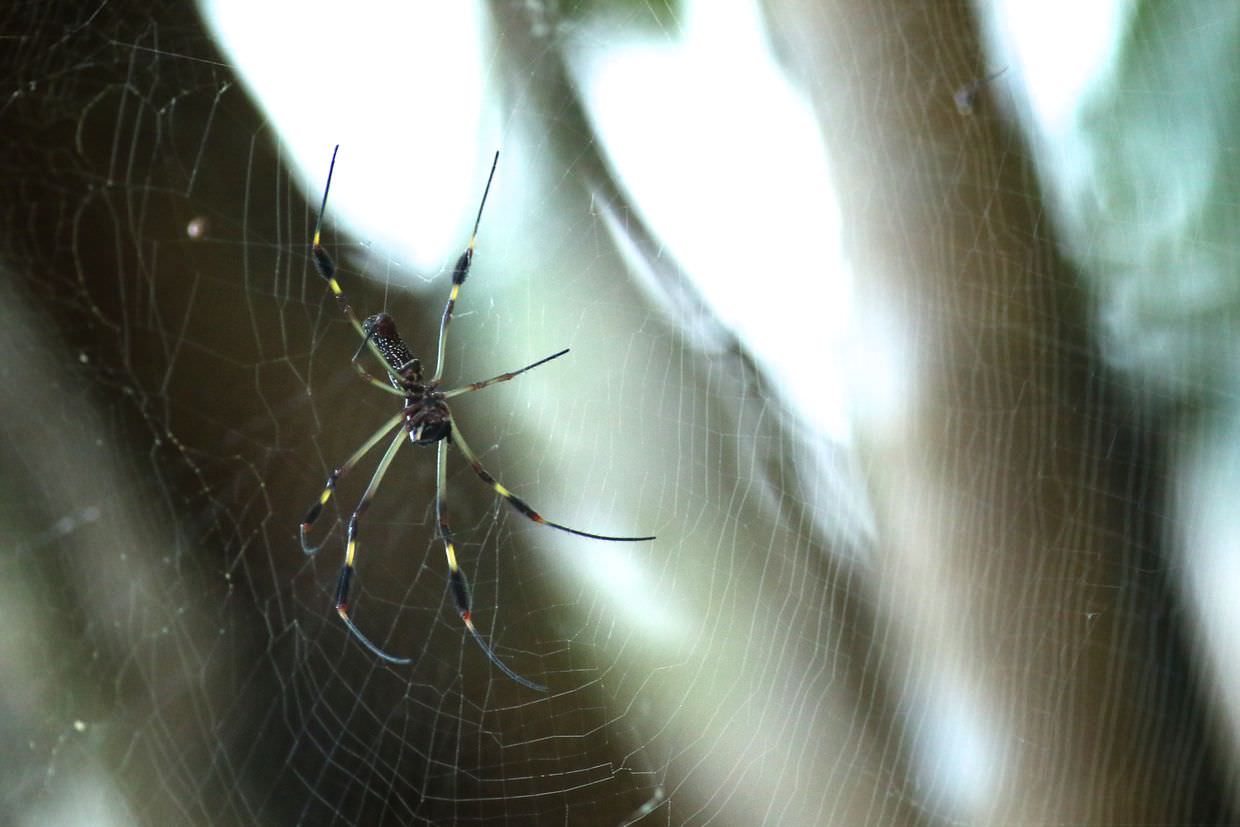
{"x":503,"y":377}
{"x":459,"y":273}
{"x":361,"y":369}
{"x":516,"y":502}
{"x":335,"y":477}
{"x":376,"y":381}
{"x":346,"y":571}
{"x":327,"y":268}
{"x":460,"y":585}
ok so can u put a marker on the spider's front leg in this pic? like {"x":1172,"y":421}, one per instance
{"x":326,"y":268}
{"x":459,"y":273}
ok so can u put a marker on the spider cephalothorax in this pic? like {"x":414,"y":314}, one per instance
{"x":427,"y":419}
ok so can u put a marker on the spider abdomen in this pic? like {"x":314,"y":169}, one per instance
{"x":381,"y":329}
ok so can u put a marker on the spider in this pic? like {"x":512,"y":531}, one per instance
{"x":427,"y":420}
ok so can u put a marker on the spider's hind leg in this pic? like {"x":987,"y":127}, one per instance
{"x":345,"y":580}
{"x":520,"y":505}
{"x":338,"y":474}
{"x":459,"y":584}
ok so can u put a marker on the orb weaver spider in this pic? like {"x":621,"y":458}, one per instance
{"x":427,"y":420}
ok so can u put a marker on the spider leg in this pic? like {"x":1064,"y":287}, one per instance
{"x":361,"y":370}
{"x":376,"y":381}
{"x":503,"y":377}
{"x":336,"y":475}
{"x":459,"y":273}
{"x":346,"y":571}
{"x":516,"y":502}
{"x":460,"y":585}
{"x":327,"y":270}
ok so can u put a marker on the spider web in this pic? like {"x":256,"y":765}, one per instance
{"x":950,"y":600}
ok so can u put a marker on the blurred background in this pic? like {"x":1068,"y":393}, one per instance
{"x":908,"y":328}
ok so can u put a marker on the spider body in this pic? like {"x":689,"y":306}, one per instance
{"x":427,"y":420}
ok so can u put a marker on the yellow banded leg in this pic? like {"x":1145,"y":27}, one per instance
{"x":516,"y":502}
{"x":503,"y":377}
{"x":459,"y":273}
{"x":327,"y":268}
{"x":458,"y":276}
{"x":346,"y":571}
{"x":337,"y":475}
{"x":456,"y":577}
